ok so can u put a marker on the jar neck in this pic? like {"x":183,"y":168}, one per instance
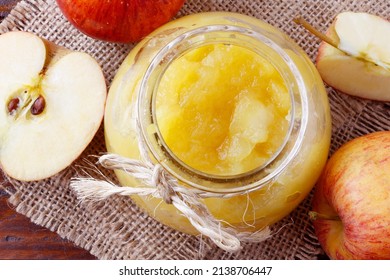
{"x":257,"y":40}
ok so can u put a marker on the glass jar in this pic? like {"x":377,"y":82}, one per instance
{"x":255,"y":197}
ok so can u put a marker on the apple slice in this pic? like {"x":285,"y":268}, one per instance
{"x":354,"y":56}
{"x":52,"y":103}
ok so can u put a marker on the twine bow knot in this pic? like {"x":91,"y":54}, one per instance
{"x":161,"y":184}
{"x":159,"y":179}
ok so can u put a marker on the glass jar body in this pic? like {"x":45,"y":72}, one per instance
{"x":262,"y":205}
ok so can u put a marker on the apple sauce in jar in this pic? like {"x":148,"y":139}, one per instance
{"x":227,"y":104}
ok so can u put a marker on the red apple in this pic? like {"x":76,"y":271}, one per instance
{"x":121,"y":21}
{"x":351,"y":205}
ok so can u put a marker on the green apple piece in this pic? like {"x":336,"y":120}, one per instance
{"x":51,"y":105}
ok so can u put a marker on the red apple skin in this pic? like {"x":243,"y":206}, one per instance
{"x":121,"y":21}
{"x":355,"y":187}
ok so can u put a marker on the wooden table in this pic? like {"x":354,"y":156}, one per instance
{"x":20,"y":238}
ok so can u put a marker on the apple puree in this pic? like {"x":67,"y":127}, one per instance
{"x":223,"y":122}
{"x":222,"y":109}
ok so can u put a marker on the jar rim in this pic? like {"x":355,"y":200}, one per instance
{"x":155,"y":143}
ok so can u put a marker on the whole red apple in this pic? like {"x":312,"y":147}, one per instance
{"x":121,"y":21}
{"x":351,"y":205}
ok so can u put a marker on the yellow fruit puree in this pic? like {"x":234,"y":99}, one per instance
{"x":227,"y":121}
{"x":224,"y":109}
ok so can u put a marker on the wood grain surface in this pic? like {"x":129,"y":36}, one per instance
{"x":22,"y":240}
{"x":19,"y":237}
{"x":6,"y":6}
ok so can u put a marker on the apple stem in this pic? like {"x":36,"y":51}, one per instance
{"x":301,"y":21}
{"x":318,"y":216}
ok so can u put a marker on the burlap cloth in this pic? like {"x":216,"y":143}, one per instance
{"x":116,"y":228}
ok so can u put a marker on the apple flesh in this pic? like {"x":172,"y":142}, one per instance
{"x":351,"y":204}
{"x":359,"y":64}
{"x":121,"y":21}
{"x":51,"y":105}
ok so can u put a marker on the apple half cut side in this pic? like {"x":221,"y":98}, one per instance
{"x":354,"y":55}
{"x":51,"y":105}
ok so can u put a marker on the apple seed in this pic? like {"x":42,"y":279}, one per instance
{"x":38,"y":106}
{"x":13,"y":104}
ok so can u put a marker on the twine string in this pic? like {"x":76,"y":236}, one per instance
{"x":160,"y":184}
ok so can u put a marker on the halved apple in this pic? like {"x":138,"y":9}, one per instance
{"x":359,"y":63}
{"x":51,"y":105}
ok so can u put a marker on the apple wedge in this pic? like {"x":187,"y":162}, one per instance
{"x":51,"y":105}
{"x":359,"y":63}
